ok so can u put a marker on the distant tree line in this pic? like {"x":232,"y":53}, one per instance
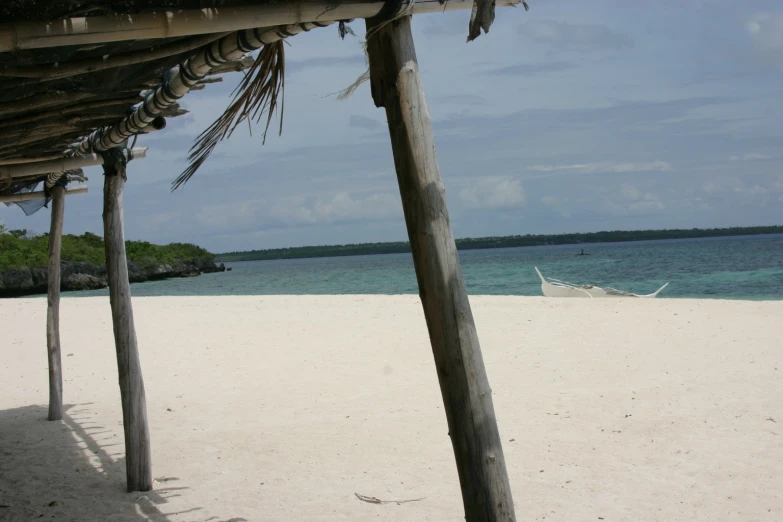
{"x":496,"y":242}
{"x":24,"y":249}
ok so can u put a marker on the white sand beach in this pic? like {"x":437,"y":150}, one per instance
{"x":282,"y":408}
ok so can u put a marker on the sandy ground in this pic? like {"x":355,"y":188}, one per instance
{"x":282,"y":408}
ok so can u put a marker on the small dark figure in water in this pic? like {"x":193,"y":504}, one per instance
{"x":583,"y":253}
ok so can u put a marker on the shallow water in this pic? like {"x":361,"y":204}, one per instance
{"x":747,"y":267}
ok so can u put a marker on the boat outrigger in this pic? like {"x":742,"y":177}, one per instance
{"x":557,"y":288}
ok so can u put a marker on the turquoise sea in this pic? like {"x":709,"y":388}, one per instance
{"x":747,"y":267}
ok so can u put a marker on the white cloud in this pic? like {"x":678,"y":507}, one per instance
{"x":339,"y":208}
{"x":632,"y":200}
{"x":586,"y":168}
{"x":756,"y":191}
{"x":641,"y":200}
{"x":298,"y":210}
{"x":562,"y":206}
{"x":711,"y":187}
{"x":493,"y":194}
{"x":697,"y":204}
{"x":647,"y":202}
{"x":159,"y":220}
{"x":363,"y":122}
{"x":753,"y":193}
{"x":660,"y":166}
{"x":239,"y":213}
{"x":631,"y":192}
{"x":750,"y":157}
{"x":766,"y":29}
{"x":565,"y":37}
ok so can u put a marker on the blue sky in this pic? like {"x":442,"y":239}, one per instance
{"x":573,"y":116}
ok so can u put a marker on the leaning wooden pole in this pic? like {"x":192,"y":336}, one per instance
{"x":53,"y":305}
{"x":467,"y":399}
{"x":138,"y":466}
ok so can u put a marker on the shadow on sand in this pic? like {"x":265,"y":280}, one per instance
{"x":74,"y":470}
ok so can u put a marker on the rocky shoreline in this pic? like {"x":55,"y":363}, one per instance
{"x":85,"y":276}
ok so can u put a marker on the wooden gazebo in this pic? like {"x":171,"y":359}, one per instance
{"x":80,"y":79}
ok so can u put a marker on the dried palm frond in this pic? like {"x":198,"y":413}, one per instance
{"x":257,"y":93}
{"x":364,"y":77}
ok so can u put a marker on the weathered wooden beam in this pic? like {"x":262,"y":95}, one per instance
{"x":182,"y":22}
{"x":66,"y":123}
{"x":77,"y":124}
{"x":44,"y":73}
{"x":238,"y":65}
{"x":53,"y":305}
{"x":174,"y":110}
{"x":203,"y":83}
{"x":29,"y":196}
{"x":138,"y":465}
{"x":20,"y":139}
{"x":159,"y":123}
{"x":38,"y":101}
{"x":215,"y":79}
{"x":21,"y":160}
{"x":42,"y":101}
{"x":467,"y":397}
{"x":82,"y":107}
{"x":62,"y":164}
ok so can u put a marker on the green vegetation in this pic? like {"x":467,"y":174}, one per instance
{"x":23,"y":249}
{"x":496,"y":242}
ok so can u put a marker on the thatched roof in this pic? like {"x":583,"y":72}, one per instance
{"x":15,"y":10}
{"x":41,"y":114}
{"x":54,"y":96}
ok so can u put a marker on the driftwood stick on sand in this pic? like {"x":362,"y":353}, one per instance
{"x":373,"y":500}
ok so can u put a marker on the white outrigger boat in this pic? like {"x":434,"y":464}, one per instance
{"x":557,"y":288}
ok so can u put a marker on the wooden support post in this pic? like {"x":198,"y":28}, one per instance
{"x":138,"y":467}
{"x":53,"y":306}
{"x":396,"y":86}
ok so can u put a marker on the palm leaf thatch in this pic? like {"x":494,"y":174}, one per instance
{"x":257,"y":93}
